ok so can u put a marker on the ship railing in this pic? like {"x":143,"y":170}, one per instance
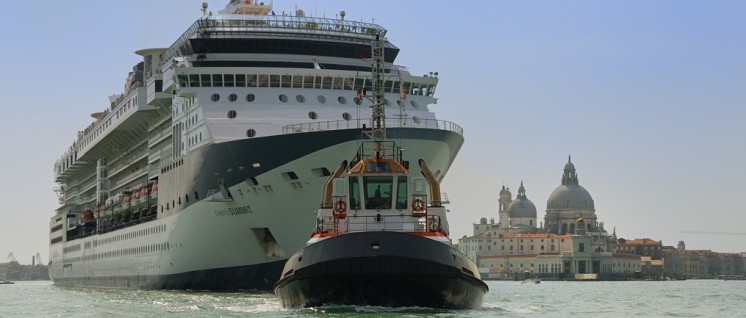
{"x":359,"y":124}
{"x":391,"y":223}
{"x":268,"y":23}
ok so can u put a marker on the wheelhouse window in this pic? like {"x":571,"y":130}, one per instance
{"x":378,"y":192}
{"x":354,"y":194}
{"x":401,"y":193}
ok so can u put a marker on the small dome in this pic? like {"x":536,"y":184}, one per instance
{"x":522,"y":207}
{"x":581,"y":221}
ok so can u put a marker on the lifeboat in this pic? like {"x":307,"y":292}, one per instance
{"x":154,"y":192}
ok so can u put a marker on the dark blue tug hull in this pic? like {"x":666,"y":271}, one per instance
{"x":405,"y":270}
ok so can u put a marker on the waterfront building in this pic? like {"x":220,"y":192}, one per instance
{"x":681,"y":263}
{"x":566,"y":246}
{"x":650,"y":252}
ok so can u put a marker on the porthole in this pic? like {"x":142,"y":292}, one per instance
{"x":232,"y":114}
{"x":215,"y":97}
{"x":358,"y":101}
{"x":313,"y":115}
{"x":250,"y":132}
{"x":414,"y":104}
{"x":283,"y":98}
{"x":300,"y":98}
{"x":416,"y":119}
{"x":232,"y":97}
{"x":346,"y":116}
{"x":321,"y":99}
{"x":342,"y":100}
{"x":250,"y":98}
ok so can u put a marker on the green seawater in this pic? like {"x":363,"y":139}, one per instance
{"x":692,"y":298}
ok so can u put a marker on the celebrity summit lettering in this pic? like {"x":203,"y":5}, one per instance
{"x":240,"y":210}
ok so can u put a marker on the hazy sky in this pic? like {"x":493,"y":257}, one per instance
{"x":647,"y":96}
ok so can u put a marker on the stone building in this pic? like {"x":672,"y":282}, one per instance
{"x":567,"y":246}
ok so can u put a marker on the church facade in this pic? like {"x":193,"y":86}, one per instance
{"x":571,"y":243}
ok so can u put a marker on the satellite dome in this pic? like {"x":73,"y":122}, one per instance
{"x":522,"y":207}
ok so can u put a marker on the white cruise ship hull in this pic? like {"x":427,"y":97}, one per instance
{"x":237,"y":236}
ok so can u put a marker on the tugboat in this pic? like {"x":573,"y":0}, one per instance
{"x":377,"y":242}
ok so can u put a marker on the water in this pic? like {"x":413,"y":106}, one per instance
{"x":693,"y":298}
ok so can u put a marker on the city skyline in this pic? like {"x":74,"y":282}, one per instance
{"x":647,"y":97}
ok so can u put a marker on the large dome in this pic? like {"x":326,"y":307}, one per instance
{"x":570,"y":197}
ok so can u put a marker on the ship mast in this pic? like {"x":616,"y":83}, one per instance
{"x":378,"y":132}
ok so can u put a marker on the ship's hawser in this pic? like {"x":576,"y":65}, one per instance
{"x":201,"y":173}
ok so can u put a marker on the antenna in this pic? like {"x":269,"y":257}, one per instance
{"x":379,"y":113}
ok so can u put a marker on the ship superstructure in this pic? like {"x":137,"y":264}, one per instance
{"x":200,"y":174}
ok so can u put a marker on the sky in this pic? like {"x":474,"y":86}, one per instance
{"x":647,"y":96}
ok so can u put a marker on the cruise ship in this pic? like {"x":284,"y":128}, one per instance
{"x":204,"y":173}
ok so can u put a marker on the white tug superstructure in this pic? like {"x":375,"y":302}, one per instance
{"x":201,"y":173}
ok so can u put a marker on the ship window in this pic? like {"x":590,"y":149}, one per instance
{"x":308,"y":81}
{"x":327,"y":82}
{"x":313,"y":115}
{"x":274,"y":80}
{"x":317,"y":82}
{"x":206,"y":82}
{"x":232,"y":114}
{"x":358,"y":101}
{"x":342,"y":100}
{"x":401,"y":193}
{"x":297,"y":81}
{"x":338,"y":83}
{"x":354,"y":194}
{"x":414,"y":104}
{"x":289,"y":176}
{"x":183,"y":81}
{"x":240,"y":80}
{"x":285,"y":80}
{"x":215,"y":97}
{"x":250,"y":132}
{"x":232,"y":97}
{"x":217,"y":80}
{"x":283,"y":98}
{"x":300,"y":98}
{"x":251,"y":80}
{"x":321,"y":99}
{"x":378,"y":192}
{"x":321,"y":172}
{"x":346,"y":116}
{"x":263,"y":80}
{"x":250,"y":98}
{"x":416,"y":119}
{"x":229,"y":82}
{"x":193,"y":80}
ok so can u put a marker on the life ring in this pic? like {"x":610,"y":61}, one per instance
{"x":418,"y":205}
{"x":340,"y":207}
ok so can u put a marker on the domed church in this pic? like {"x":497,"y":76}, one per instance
{"x":568,"y":203}
{"x":518,"y":216}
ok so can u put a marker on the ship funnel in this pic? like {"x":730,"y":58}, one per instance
{"x":326,"y":199}
{"x":434,"y":186}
